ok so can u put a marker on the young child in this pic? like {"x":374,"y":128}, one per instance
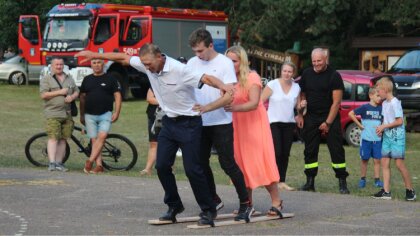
{"x":371,"y":144}
{"x":393,"y":141}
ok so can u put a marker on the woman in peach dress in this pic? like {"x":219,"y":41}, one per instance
{"x":253,"y":144}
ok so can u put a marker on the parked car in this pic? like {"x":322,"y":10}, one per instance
{"x":406,"y":75}
{"x":356,"y":93}
{"x":14,"y":70}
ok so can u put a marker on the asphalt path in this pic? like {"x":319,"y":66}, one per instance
{"x":34,"y":202}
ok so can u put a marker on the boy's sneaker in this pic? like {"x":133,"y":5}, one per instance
{"x":362,"y":183}
{"x":60,"y":167}
{"x":382,"y":195}
{"x":379,"y":184}
{"x":51,"y":166}
{"x":218,"y":202}
{"x":410,"y":195}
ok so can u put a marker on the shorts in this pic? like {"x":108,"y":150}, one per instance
{"x":393,"y":148}
{"x":370,"y":149}
{"x":152,"y":136}
{"x":97,"y":123}
{"x":59,"y":128}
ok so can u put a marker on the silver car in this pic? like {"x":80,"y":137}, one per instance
{"x":14,"y":71}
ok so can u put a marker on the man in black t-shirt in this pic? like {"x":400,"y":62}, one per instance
{"x":322,"y":88}
{"x":97,"y":95}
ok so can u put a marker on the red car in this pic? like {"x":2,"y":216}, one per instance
{"x":356,"y":93}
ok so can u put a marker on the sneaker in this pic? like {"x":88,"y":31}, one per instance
{"x":218,"y":202}
{"x":362,"y":183}
{"x":170,"y":215}
{"x":382,"y":195}
{"x":379,"y":184}
{"x":410,"y":195}
{"x":88,"y":166}
{"x":51,"y":166}
{"x":245,"y":212}
{"x":207,"y":218}
{"x":97,"y":170}
{"x":60,"y":167}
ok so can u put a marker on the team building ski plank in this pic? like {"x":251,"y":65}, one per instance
{"x":195,"y":218}
{"x":233,"y":222}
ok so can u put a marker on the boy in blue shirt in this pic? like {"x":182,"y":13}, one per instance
{"x":393,"y":141}
{"x":370,"y":144}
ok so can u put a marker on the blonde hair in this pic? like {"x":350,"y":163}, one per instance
{"x":243,"y":63}
{"x":386,"y":84}
{"x":291,"y":64}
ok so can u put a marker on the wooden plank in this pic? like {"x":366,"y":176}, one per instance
{"x":233,"y":222}
{"x":195,"y":218}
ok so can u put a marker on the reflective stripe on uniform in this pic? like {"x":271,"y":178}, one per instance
{"x":312,"y":165}
{"x":337,"y":166}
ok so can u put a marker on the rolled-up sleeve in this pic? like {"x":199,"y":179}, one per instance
{"x":191,"y":77}
{"x":135,"y":62}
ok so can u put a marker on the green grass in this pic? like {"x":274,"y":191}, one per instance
{"x":21,"y":117}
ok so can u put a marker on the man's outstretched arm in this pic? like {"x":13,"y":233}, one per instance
{"x":113,"y":56}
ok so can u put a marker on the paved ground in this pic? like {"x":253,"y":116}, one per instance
{"x":41,"y":202}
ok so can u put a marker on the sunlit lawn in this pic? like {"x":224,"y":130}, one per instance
{"x":21,"y":117}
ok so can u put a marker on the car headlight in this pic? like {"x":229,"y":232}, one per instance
{"x":416,"y":85}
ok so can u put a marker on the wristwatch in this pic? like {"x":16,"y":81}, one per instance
{"x":328,"y":124}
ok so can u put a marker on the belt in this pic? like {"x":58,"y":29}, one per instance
{"x":179,"y":118}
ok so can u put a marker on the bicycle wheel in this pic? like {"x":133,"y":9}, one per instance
{"x":36,"y":150}
{"x":118,"y":153}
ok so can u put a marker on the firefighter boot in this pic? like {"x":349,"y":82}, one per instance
{"x":343,"y":186}
{"x":310,"y":184}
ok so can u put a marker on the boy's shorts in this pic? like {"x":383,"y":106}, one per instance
{"x":98,"y":123}
{"x":59,"y":128}
{"x":393,"y":148}
{"x":370,"y":149}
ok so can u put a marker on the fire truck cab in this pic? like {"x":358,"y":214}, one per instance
{"x":71,"y":28}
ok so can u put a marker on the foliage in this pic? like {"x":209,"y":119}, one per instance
{"x":273,"y":24}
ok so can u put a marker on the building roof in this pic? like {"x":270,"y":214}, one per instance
{"x":386,"y":42}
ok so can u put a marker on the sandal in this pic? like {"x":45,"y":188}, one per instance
{"x":275,"y":211}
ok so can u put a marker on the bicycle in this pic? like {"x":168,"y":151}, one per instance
{"x":118,"y":153}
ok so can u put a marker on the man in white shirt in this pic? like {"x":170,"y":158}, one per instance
{"x":173,"y":84}
{"x":218,"y":129}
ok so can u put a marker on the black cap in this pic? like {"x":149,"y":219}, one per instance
{"x":182,"y":59}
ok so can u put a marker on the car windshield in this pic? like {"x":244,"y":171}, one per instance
{"x":13,"y":60}
{"x":410,"y":62}
{"x":66,"y":29}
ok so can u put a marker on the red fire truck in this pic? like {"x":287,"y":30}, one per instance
{"x":71,"y":28}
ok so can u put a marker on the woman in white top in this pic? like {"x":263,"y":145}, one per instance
{"x":283,"y":97}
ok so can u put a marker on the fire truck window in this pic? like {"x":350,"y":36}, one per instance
{"x":103,"y":30}
{"x":134,"y":31}
{"x":30,"y":30}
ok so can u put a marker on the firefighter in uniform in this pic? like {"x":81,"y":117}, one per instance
{"x":322,"y":91}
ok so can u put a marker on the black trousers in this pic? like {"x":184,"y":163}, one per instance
{"x":312,"y":138}
{"x":221,"y":136}
{"x":185,"y":133}
{"x":282,"y":138}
